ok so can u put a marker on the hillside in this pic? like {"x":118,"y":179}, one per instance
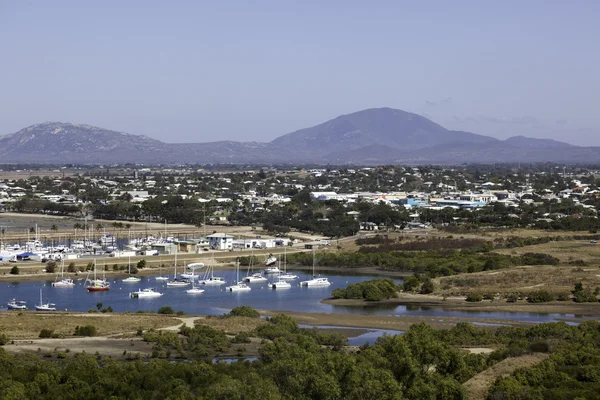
{"x":373,"y":136}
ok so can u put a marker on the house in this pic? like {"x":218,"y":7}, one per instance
{"x":220,"y":241}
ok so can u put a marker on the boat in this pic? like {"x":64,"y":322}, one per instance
{"x":16,"y":305}
{"x":130,"y":278}
{"x":194,"y":289}
{"x":240,"y":286}
{"x":177,"y":282}
{"x":209,"y":279}
{"x":145,"y":293}
{"x":63,"y":282}
{"x":286,"y":275}
{"x":271,"y":260}
{"x":279,"y":283}
{"x":45,"y":307}
{"x":256,"y":277}
{"x":98,"y":285}
{"x":317,"y":281}
{"x":189,"y":275}
{"x":161,"y":277}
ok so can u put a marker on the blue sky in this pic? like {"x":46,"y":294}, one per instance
{"x":191,"y":71}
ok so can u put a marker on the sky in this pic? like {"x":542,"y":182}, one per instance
{"x":196,"y":71}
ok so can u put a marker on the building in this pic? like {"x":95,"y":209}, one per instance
{"x":220,"y":241}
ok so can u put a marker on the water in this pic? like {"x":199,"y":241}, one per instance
{"x":216,"y":301}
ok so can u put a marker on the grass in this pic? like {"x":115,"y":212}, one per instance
{"x":27,"y":325}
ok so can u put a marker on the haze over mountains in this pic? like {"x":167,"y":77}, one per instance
{"x":372,"y":136}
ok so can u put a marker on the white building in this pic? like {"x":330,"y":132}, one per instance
{"x":220,"y":241}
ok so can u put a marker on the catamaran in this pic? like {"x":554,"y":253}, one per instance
{"x":45,"y":307}
{"x":98,"y":285}
{"x":63,"y":282}
{"x":131,"y":278}
{"x":145,"y":293}
{"x":317,"y":280}
{"x":240,"y":286}
{"x":209,"y":279}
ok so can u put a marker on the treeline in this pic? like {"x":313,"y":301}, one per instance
{"x":432,"y":263}
{"x":39,"y":206}
{"x":372,"y":290}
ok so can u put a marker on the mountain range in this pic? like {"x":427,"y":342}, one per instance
{"x":368,"y":137}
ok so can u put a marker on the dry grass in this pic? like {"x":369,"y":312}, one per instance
{"x":553,"y":279}
{"x":478,"y":386}
{"x":231,"y":325}
{"x":566,"y":252}
{"x":27,"y":325}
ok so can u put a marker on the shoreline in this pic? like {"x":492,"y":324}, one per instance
{"x":456,"y":304}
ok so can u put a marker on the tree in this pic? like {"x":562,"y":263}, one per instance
{"x":427,"y":287}
{"x":54,"y":228}
{"x":50,"y":266}
{"x":14,"y":270}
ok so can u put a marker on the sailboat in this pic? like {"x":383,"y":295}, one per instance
{"x":130,"y":278}
{"x":255,"y":277}
{"x":177,"y":282}
{"x":317,"y":280}
{"x":209,"y":279}
{"x":240,"y":286}
{"x":285,"y":275}
{"x":98,"y":285}
{"x":45,"y":307}
{"x":280,"y":284}
{"x":190,"y":275}
{"x":161,"y":277}
{"x":63,"y":282}
{"x":194,"y":289}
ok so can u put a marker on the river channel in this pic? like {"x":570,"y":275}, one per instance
{"x":217,"y":301}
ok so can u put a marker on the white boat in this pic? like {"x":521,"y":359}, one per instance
{"x":131,"y":278}
{"x":194,"y":289}
{"x":63,"y":282}
{"x":209,"y":279}
{"x":161,"y":277}
{"x":280,"y":284}
{"x":195,"y":266}
{"x":177,"y":282}
{"x":240,"y":286}
{"x":145,"y":293}
{"x":45,"y":307}
{"x":286,"y":275}
{"x":16,"y":305}
{"x":255,"y":278}
{"x":272,"y":270}
{"x":317,"y":280}
{"x":270,"y":260}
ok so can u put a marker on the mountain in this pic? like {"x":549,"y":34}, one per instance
{"x":376,"y":126}
{"x":373,"y":136}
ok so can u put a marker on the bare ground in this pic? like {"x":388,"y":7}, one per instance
{"x":478,"y":386}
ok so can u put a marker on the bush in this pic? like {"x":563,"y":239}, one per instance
{"x":71,"y":267}
{"x":87,"y":330}
{"x":165,"y":310}
{"x":242,"y":337}
{"x":562,"y":297}
{"x":427,"y":287}
{"x":46,"y":333}
{"x":512,"y":298}
{"x":141,"y":264}
{"x":3,"y":339}
{"x":244,"y":311}
{"x":474,"y":297}
{"x":50,"y":267}
{"x":14,"y":270}
{"x":541,"y":296}
{"x":488,"y":296}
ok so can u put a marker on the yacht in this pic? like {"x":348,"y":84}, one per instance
{"x":240,"y":286}
{"x":270,"y":260}
{"x":131,"y":278}
{"x":177,"y":282}
{"x":145,"y":293}
{"x":63,"y":282}
{"x":272,"y":270}
{"x":45,"y":307}
{"x":281,"y":284}
{"x":97,"y":285}
{"x":209,"y":279}
{"x":317,"y":280}
{"x":255,"y":278}
{"x":17,"y":305}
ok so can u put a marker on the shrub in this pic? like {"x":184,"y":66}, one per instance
{"x":46,"y":333}
{"x":427,"y":287}
{"x":488,"y":296}
{"x":14,"y":270}
{"x":165,"y":310}
{"x":562,"y":297}
{"x":50,"y":267}
{"x":541,"y":296}
{"x":87,"y":330}
{"x":244,"y":311}
{"x":242,"y":337}
{"x":141,"y":264}
{"x":512,"y":298}
{"x":539,"y":347}
{"x":3,"y":339}
{"x":71,"y":267}
{"x":115,"y":267}
{"x":474,"y":297}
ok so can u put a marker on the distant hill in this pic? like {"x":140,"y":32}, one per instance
{"x":373,"y":136}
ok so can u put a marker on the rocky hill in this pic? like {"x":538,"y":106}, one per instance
{"x":374,"y":136}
